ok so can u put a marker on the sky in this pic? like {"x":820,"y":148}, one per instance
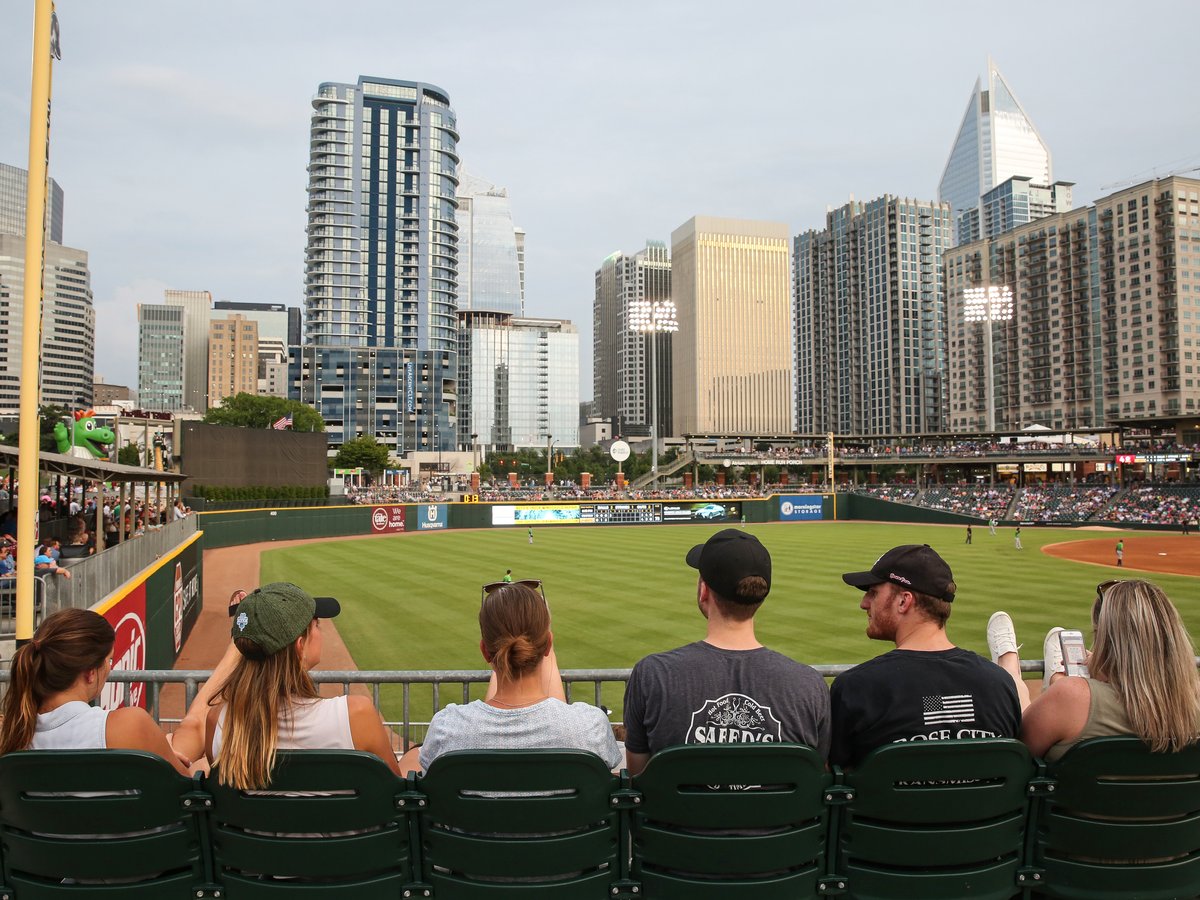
{"x":180,"y":130}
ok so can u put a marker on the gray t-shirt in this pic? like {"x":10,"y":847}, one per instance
{"x":701,"y":694}
{"x":549,"y":725}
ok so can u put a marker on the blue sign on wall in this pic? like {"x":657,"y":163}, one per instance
{"x":801,"y":508}
{"x":432,"y":515}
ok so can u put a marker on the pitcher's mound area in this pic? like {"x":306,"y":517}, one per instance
{"x":1175,"y":554}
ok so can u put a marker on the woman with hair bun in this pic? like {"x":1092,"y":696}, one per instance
{"x":525,"y":707}
{"x":54,"y":678}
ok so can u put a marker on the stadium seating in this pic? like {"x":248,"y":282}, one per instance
{"x":925,"y":820}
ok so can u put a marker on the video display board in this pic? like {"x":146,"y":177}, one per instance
{"x":702,"y":511}
{"x":614,"y":513}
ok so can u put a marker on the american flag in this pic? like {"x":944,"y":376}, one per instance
{"x":282,"y":423}
{"x":948,"y":708}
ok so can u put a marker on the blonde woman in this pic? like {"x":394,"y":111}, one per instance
{"x":1141,"y":681}
{"x":270,"y":703}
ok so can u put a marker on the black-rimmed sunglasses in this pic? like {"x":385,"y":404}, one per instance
{"x":531,"y":583}
{"x":1102,"y":589}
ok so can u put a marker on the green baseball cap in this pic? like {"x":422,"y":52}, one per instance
{"x":275,"y":614}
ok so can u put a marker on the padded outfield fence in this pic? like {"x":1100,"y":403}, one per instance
{"x":944,"y":819}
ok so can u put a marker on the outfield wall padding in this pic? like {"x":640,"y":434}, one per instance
{"x":250,"y":526}
{"x":873,"y":509}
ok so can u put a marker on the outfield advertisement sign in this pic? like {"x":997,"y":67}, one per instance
{"x":801,"y":508}
{"x":708,"y":511}
{"x":431,"y":515}
{"x":387,"y":519}
{"x":535,"y":514}
{"x":615,"y":513}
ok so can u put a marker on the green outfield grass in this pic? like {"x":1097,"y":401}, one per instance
{"x":618,"y":593}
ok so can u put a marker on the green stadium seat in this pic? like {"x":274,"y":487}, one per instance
{"x":118,"y":816}
{"x":334,"y":823}
{"x":936,"y":819}
{"x":1119,"y":821}
{"x":520,"y":823}
{"x":731,"y":820}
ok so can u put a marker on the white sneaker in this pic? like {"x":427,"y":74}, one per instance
{"x":1052,"y":656}
{"x":1001,"y":635}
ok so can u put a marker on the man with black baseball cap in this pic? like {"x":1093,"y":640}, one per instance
{"x":727,"y":688}
{"x":926,"y":689}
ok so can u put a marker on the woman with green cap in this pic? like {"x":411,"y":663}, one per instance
{"x":270,"y":703}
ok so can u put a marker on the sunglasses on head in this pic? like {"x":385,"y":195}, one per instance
{"x":531,"y":583}
{"x":1102,"y":588}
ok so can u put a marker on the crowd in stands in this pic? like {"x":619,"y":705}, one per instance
{"x":956,"y":450}
{"x":1060,"y":502}
{"x":1156,"y":505}
{"x":985,"y":501}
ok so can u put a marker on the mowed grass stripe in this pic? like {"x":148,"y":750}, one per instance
{"x":620,"y":592}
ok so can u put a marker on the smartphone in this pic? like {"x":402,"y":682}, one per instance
{"x":1074,"y":652}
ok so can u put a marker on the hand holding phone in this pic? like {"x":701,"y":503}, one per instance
{"x":1074,"y":652}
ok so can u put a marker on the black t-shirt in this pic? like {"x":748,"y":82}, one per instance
{"x":911,"y":695}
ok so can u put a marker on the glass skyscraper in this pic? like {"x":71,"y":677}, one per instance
{"x":382,"y":262}
{"x":995,"y":141}
{"x":491,"y":272}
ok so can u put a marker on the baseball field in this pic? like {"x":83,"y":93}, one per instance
{"x":618,"y":593}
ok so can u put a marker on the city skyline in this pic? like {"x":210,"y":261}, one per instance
{"x":208,"y":189}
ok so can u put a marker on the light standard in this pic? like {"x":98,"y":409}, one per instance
{"x":650,"y":318}
{"x":549,"y":460}
{"x":987,"y":305}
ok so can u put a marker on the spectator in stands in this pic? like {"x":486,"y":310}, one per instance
{"x":270,"y":703}
{"x":728,"y":688}
{"x":525,"y":706}
{"x":45,"y":565}
{"x":8,"y":566}
{"x":927,"y":688}
{"x":1141,"y":680}
{"x":55,"y":677}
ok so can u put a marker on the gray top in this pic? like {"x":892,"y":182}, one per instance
{"x":548,"y":725}
{"x":701,"y":694}
{"x":73,"y":726}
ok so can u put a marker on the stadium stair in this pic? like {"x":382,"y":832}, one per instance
{"x":676,"y":464}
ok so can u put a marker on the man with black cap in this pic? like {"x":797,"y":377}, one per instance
{"x":926,"y":689}
{"x":728,"y":688}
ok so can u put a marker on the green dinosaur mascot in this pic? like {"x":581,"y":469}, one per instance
{"x":90,"y":438}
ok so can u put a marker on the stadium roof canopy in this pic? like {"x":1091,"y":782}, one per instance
{"x":88,"y":469}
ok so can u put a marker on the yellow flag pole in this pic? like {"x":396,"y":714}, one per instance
{"x":45,"y":34}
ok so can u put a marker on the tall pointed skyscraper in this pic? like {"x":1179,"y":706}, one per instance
{"x":995,"y":142}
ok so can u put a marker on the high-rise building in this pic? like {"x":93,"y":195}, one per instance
{"x":870,"y":319}
{"x":621,"y":382}
{"x":278,"y":328}
{"x":233,"y":357}
{"x":491,"y":251}
{"x":68,"y":345}
{"x":1105,"y":323}
{"x":14,"y":183}
{"x":995,"y":141}
{"x":161,"y":356}
{"x":1011,"y":203}
{"x":197,"y":306}
{"x":520,"y":381}
{"x":382,"y":261}
{"x":731,"y":358}
{"x":105,"y":394}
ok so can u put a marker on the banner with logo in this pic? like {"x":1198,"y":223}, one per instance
{"x":128,"y":618}
{"x":431,"y":515}
{"x":387,"y":519}
{"x":801,"y":508}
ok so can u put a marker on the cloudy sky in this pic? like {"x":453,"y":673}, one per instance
{"x":180,"y":129}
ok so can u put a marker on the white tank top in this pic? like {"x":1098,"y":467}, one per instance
{"x":73,"y":726}
{"x":312,"y":725}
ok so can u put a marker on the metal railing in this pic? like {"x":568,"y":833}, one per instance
{"x":95,"y":577}
{"x":8,"y":605}
{"x":408,"y":730}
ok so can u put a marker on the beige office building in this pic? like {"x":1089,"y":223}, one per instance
{"x":1105,"y":325}
{"x":732,"y":357}
{"x":232,"y":358}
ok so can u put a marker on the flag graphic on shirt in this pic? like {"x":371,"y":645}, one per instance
{"x":948,"y":708}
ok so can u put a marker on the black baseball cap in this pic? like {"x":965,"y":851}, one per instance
{"x":729,"y":556}
{"x":916,"y":567}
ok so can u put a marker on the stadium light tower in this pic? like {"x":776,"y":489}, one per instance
{"x":650,"y":318}
{"x":987,"y":305}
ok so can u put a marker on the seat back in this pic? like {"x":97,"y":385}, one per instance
{"x":333,"y":818}
{"x":99,"y":815}
{"x":1121,"y":821}
{"x":716,"y":818}
{"x":519,"y":823}
{"x":936,"y":819}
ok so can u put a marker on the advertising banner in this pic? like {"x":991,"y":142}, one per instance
{"x":541,"y":514}
{"x":431,"y":515}
{"x":172,"y":592}
{"x":128,"y":618}
{"x":801,"y":508}
{"x":387,"y":519}
{"x":702,"y":511}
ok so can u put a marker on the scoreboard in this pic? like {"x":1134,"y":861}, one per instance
{"x":620,"y":513}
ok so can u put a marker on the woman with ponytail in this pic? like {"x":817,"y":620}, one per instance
{"x":55,"y":677}
{"x":269,"y":702}
{"x":525,"y":706}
